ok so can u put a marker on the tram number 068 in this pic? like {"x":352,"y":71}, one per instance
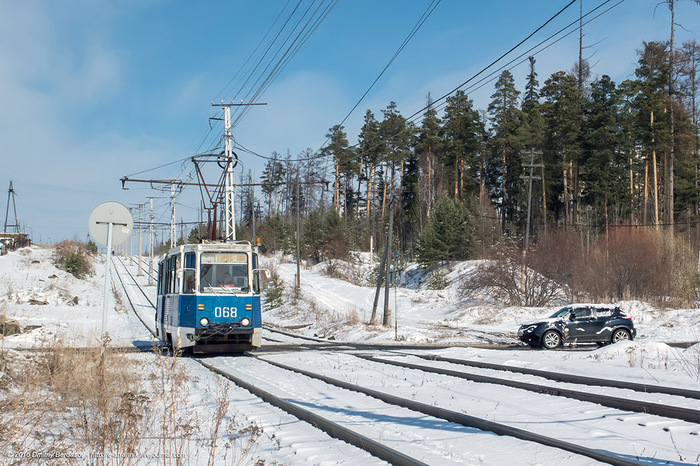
{"x":225,"y":312}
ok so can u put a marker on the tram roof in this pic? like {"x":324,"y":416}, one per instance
{"x":239,"y":246}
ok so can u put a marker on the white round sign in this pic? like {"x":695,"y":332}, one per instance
{"x":114,"y":213}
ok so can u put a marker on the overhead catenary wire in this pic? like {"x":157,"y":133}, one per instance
{"x":424,"y":17}
{"x":434,"y":104}
{"x":520,"y":60}
{"x":309,"y":27}
{"x":492,"y":76}
{"x":279,"y":54}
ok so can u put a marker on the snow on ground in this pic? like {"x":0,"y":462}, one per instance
{"x":50,"y":304}
{"x":56,"y":305}
{"x":28,"y":276}
{"x":332,"y":307}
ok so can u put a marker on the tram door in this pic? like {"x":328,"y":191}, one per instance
{"x":160,"y":303}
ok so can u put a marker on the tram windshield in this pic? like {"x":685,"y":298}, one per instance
{"x":224,"y":272}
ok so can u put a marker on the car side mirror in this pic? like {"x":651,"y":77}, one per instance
{"x":572,"y":316}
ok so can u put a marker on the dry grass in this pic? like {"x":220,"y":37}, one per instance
{"x":66,"y":405}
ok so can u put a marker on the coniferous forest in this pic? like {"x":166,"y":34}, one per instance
{"x":591,"y":183}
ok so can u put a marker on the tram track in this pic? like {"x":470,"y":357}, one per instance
{"x":334,"y":429}
{"x":464,"y":419}
{"x":394,"y":456}
{"x":664,"y":410}
{"x":128,"y":296}
{"x":623,"y":404}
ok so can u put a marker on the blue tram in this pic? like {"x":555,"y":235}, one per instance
{"x":209,"y":298}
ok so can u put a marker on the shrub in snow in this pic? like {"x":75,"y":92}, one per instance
{"x":437,"y":281}
{"x":511,"y":281}
{"x":274,"y":290}
{"x":73,"y":258}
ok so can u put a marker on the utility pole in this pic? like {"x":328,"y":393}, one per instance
{"x":140,"y":271}
{"x":131,"y":240}
{"x":387,"y":310}
{"x":229,"y":202}
{"x":173,"y":233}
{"x":150,"y":245}
{"x":672,"y":152}
{"x":297,"y":282}
{"x":228,"y":170}
{"x":532,"y":165}
{"x":384,"y":269}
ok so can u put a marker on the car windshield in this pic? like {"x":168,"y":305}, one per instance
{"x":563,"y":312}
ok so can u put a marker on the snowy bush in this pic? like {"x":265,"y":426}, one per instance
{"x":274,"y":290}
{"x":73,"y":258}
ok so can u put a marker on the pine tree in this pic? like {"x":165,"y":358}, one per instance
{"x":464,"y":133}
{"x":532,"y":130}
{"x":560,"y":109}
{"x":604,"y":160}
{"x":428,"y":148}
{"x":371,"y":148}
{"x":395,"y":135}
{"x":337,"y":149}
{"x":531,"y":133}
{"x":449,"y":234}
{"x":505,"y":145}
{"x":653,"y":117}
{"x":272,"y":176}
{"x":690,"y":87}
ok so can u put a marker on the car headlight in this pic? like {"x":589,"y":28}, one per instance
{"x":245,"y":321}
{"x":203,"y":321}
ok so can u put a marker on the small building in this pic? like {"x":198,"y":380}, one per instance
{"x":11,"y":241}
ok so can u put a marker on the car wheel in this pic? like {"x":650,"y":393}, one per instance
{"x":620,"y":335}
{"x":551,"y":339}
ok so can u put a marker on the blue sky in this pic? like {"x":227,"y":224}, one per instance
{"x":92,"y":90}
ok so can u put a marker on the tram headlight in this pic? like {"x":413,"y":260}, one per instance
{"x":245,"y":321}
{"x":203,"y":321}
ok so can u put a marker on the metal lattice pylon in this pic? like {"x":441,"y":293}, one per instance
{"x":11,"y":194}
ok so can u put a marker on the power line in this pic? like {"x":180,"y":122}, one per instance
{"x":414,"y":116}
{"x":498,"y":59}
{"x":490,"y":77}
{"x":424,"y":17}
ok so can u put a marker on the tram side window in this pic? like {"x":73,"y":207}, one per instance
{"x":256,"y":275}
{"x":188,"y":274}
{"x":160,"y":279}
{"x":167,"y":279}
{"x":174,"y":279}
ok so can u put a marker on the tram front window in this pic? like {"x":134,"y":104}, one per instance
{"x":224,"y":272}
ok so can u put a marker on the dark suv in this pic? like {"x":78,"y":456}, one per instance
{"x":579,"y":323}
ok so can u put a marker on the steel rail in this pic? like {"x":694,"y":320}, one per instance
{"x":560,"y":377}
{"x":674,"y":412}
{"x":135,"y":283}
{"x":333,"y":429}
{"x":131,"y":303}
{"x":373,"y":346}
{"x":465,"y":419}
{"x":571,"y":378}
